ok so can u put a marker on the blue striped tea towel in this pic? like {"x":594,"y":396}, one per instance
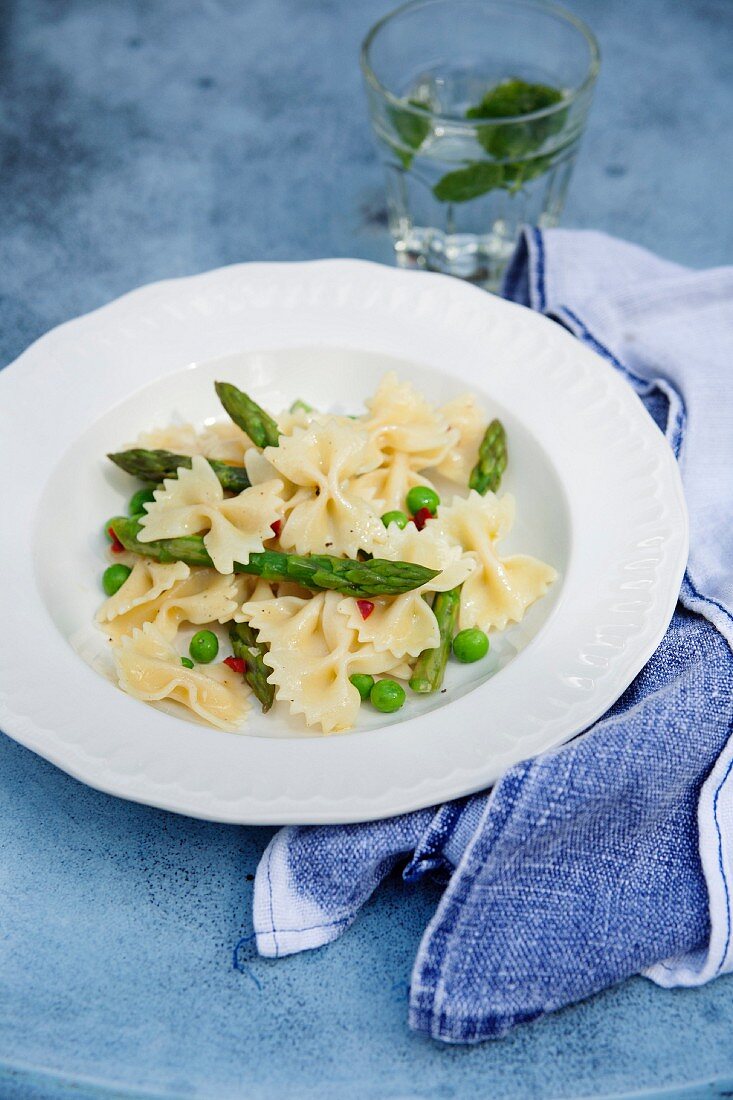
{"x":612,"y":855}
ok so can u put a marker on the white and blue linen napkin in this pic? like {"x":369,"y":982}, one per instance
{"x":612,"y":855}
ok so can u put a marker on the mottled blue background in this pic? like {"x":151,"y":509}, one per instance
{"x":145,"y":140}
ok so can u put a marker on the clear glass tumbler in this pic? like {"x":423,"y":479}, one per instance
{"x":478,"y":107}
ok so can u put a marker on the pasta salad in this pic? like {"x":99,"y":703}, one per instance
{"x":314,"y":556}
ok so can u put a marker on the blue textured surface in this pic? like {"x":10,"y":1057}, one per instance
{"x":146,"y":141}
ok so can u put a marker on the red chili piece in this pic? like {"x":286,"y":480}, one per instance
{"x":236,"y":664}
{"x":277,"y":527}
{"x":421,"y":517}
{"x":365,"y":608}
{"x":116,"y":547}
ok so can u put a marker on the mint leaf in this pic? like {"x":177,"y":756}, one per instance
{"x":514,"y":97}
{"x":512,"y":140}
{"x":516,"y":175}
{"x":411,"y":129}
{"x":475,"y":179}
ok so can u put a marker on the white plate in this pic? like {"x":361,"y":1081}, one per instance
{"x":598,"y":493}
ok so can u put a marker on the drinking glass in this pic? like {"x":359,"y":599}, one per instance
{"x":478,"y":107}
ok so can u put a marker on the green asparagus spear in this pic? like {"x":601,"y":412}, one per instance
{"x":246,"y":645}
{"x":157,"y":465}
{"x":247,"y":415}
{"x":429,"y":669}
{"x":427,"y":675}
{"x":492,"y":459}
{"x":189,"y":549}
{"x":361,"y":579}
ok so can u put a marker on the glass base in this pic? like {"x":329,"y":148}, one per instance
{"x":476,"y":259}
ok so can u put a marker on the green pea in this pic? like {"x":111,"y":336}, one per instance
{"x":114,"y":577}
{"x":363,"y":683}
{"x":395,"y":517}
{"x":142,"y":496}
{"x":186,"y":662}
{"x":422,"y":496}
{"x":204,"y":646}
{"x":387,"y":696}
{"x":470,"y":646}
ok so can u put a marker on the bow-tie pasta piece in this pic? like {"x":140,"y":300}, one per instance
{"x":260,"y":470}
{"x":386,"y":488}
{"x":400,"y":419}
{"x":300,"y":417}
{"x":297,"y":417}
{"x":149,"y":668}
{"x":222,"y":440}
{"x":145,"y":583}
{"x":411,"y":436}
{"x":202,"y":597}
{"x":499,"y":590}
{"x":312,"y":653}
{"x":466,"y":417}
{"x":250,"y":587}
{"x":325,"y":515}
{"x":405,"y":625}
{"x":206,"y":597}
{"x":194,"y":502}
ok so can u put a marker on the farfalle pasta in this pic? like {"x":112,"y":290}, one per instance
{"x":194,"y":501}
{"x":149,"y":668}
{"x":464,"y":416}
{"x":312,"y":552}
{"x":221,"y":440}
{"x":313,"y":652}
{"x":323,"y":461}
{"x":405,"y":625}
{"x":199,"y":596}
{"x":147,"y":580}
{"x":499,"y":590}
{"x":410,"y":435}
